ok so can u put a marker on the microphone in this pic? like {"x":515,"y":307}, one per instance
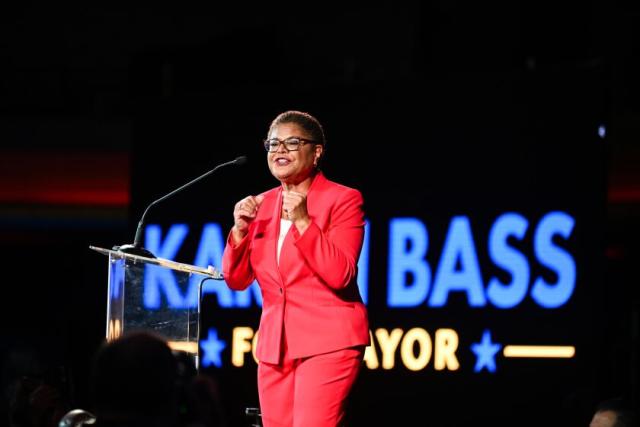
{"x":136,"y":248}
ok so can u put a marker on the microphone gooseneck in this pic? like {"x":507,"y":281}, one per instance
{"x":240,"y":160}
{"x":136,"y":247}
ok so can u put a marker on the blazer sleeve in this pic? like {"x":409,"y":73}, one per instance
{"x":333,"y":255}
{"x":236,"y":267}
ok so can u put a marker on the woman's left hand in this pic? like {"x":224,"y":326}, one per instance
{"x":294,"y":205}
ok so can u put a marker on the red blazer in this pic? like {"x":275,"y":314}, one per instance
{"x":312,"y":295}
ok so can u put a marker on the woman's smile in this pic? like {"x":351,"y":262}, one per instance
{"x":282,"y":161}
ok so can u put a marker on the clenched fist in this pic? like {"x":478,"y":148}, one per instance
{"x":244,"y":213}
{"x":294,"y":207}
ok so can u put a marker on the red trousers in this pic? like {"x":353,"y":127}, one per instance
{"x":308,"y":392}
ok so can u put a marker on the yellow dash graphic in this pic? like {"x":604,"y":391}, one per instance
{"x":548,"y":351}
{"x":186,"y":346}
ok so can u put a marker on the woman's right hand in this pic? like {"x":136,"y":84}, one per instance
{"x":244,"y":213}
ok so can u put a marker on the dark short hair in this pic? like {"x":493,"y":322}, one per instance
{"x":305,"y":120}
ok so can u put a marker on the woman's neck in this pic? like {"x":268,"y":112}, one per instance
{"x":299,"y":187}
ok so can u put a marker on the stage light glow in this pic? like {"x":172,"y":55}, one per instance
{"x":602,"y":131}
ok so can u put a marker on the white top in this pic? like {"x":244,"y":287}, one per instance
{"x":285,"y":225}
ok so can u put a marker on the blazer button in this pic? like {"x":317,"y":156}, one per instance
{"x":280,"y":291}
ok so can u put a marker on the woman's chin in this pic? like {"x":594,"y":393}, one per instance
{"x":288,"y":176}
{"x":282,"y":176}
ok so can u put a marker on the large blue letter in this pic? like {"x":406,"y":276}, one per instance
{"x":507,"y":295}
{"x":556,"y":259}
{"x":157,"y":277}
{"x":363,"y":266}
{"x":210,"y":253}
{"x":458,"y":246}
{"x":408,"y":243}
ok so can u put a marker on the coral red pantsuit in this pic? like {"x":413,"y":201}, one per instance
{"x":313,"y":327}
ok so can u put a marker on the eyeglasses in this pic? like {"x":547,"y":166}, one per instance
{"x":290,"y":144}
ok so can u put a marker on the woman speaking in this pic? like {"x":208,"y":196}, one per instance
{"x":301,"y":242}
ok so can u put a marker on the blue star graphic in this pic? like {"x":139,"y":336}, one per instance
{"x":485,"y":353}
{"x":212,"y":347}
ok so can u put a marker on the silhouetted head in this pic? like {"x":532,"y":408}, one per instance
{"x":134,"y":381}
{"x":614,"y":413}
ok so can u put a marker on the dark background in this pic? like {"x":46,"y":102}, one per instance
{"x":432,"y":110}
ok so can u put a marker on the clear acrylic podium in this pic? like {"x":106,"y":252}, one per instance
{"x":128,"y":310}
